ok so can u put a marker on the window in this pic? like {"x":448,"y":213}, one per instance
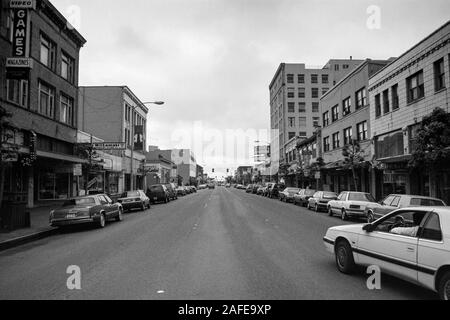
{"x":302,"y":107}
{"x":361,"y":99}
{"x":17,"y":92}
{"x":386,"y":103}
{"x":302,"y":122}
{"x":439,"y":75}
{"x":363,"y":133}
{"x":301,"y":78}
{"x":315,"y":107}
{"x":46,"y":100}
{"x":292,"y":135}
{"x":9,"y":25}
{"x":395,"y":99}
{"x":326,"y":119}
{"x":335,"y":113}
{"x":326,"y":144}
{"x":396,"y":202}
{"x":415,"y":87}
{"x":390,"y":145}
{"x":66,"y":109}
{"x":432,"y":230}
{"x":345,"y":66}
{"x":336,"y":141}
{"x":314,"y":78}
{"x":325,"y":79}
{"x":291,"y":93}
{"x":303,"y":134}
{"x":48,"y":52}
{"x":291,"y":122}
{"x":348,"y":133}
{"x":301,"y":92}
{"x":336,"y":67}
{"x":315,"y":93}
{"x":67,"y":67}
{"x":378,"y":105}
{"x":324,"y":91}
{"x":316,"y":122}
{"x":290,"y":78}
{"x":347,"y":106}
{"x":291,"y":107}
{"x":388,"y":201}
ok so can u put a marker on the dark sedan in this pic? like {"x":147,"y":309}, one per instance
{"x":134,"y":200}
{"x":96,"y":209}
{"x":273,"y":191}
{"x":303,"y":197}
{"x":158,"y":193}
{"x":181,"y":191}
{"x":319,"y":201}
{"x":287,"y":195}
{"x":172,"y":191}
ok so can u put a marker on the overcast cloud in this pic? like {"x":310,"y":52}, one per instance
{"x":213,"y":60}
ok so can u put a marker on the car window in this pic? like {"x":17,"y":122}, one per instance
{"x":405,"y":223}
{"x":432,"y":230}
{"x":360,"y":197}
{"x":388,"y":201}
{"x":108,"y":199}
{"x":396,"y":201}
{"x":131,"y":194}
{"x":329,"y":195}
{"x":342,"y":196}
{"x":310,"y":192}
{"x":79,"y":202}
{"x":102,"y":200}
{"x":423,"y":202}
{"x":317,"y":195}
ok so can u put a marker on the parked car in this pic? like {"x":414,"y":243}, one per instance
{"x":172,"y":191}
{"x":181,"y":191}
{"x":265,"y":190}
{"x":158,"y":193}
{"x":260,"y":191}
{"x":319,"y":201}
{"x":350,"y":204}
{"x":134,"y":200}
{"x":211,"y":186}
{"x":374,"y":211}
{"x":249,"y":188}
{"x":302,"y":198}
{"x":410,"y":243}
{"x":287,"y":195}
{"x":202,"y":187}
{"x":228,"y":185}
{"x":255,"y":188}
{"x":95,"y":209}
{"x":273,"y":191}
{"x":194,"y":189}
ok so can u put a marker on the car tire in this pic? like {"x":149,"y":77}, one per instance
{"x":344,"y":257}
{"x":344,"y":215}
{"x":119,"y":217}
{"x":102,"y":221}
{"x":316,"y":208}
{"x":330,"y":212}
{"x":143,"y":206}
{"x":444,"y":286}
{"x":370,"y":217}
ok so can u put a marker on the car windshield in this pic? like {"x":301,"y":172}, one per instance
{"x":79,"y":202}
{"x":329,"y":195}
{"x":423,"y":202}
{"x":131,"y":194}
{"x":310,"y":192}
{"x":292,"y":190}
{"x":155,"y":188}
{"x":366,"y":197}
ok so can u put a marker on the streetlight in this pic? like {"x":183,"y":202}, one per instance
{"x":158,"y":103}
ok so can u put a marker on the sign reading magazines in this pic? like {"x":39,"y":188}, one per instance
{"x":109,"y":146}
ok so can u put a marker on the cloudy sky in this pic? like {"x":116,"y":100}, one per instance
{"x":211,"y":61}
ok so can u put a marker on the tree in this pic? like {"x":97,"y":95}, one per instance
{"x":432,"y":142}
{"x":353,"y":159}
{"x":8,"y":151}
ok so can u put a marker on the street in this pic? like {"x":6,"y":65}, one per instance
{"x":213,"y":245}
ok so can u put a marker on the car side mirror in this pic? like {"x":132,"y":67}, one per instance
{"x":369,"y":228}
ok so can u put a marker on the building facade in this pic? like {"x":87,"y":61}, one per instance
{"x":345,"y":114}
{"x":186,"y":164}
{"x":401,"y":95}
{"x":115,"y":114}
{"x":43,"y":102}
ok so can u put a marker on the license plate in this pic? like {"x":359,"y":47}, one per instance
{"x":155,"y":198}
{"x":71,"y":216}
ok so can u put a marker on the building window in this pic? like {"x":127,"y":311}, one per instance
{"x":46,"y":100}
{"x":363,"y":132}
{"x":326,"y":119}
{"x":390,"y":145}
{"x":315,"y":93}
{"x":303,"y":134}
{"x":361,"y":99}
{"x":291,"y":107}
{"x":67,"y":67}
{"x":302,"y":122}
{"x":347,"y":106}
{"x":301,"y":92}
{"x":17,"y":92}
{"x":291,"y":122}
{"x":66,"y":110}
{"x":315,"y":107}
{"x":9,"y":25}
{"x":386,"y":103}
{"x":336,"y":67}
{"x":336,"y":141}
{"x":325,"y":79}
{"x":291,"y":93}
{"x":395,"y":98}
{"x":348,"y":134}
{"x":415,"y":87}
{"x":326,"y":144}
{"x":439,"y":75}
{"x":314,"y":78}
{"x":292,"y":135}
{"x":301,"y":78}
{"x":48,"y":52}
{"x":302,"y":107}
{"x":290,"y":78}
{"x":345,"y":66}
{"x":378,"y":105}
{"x":335,"y":113}
{"x":316,"y":122}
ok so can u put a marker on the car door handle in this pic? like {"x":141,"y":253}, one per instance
{"x":410,"y":249}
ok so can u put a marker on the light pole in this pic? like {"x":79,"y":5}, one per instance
{"x":158,"y":103}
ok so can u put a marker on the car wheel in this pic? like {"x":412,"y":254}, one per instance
{"x":330,"y":212}
{"x":119,"y":217}
{"x":344,"y":257}
{"x":143,"y":206}
{"x":444,"y":286}
{"x":344,"y":215}
{"x":316,"y":208}
{"x":370,"y":217}
{"x":102,"y":221}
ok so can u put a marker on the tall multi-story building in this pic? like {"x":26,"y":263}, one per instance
{"x":39,"y":61}
{"x":345,"y":114}
{"x":116,"y":115}
{"x":295,"y":93}
{"x":401,"y":95}
{"x":185,"y":162}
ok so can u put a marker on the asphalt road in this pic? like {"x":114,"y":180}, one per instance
{"x":216,"y":244}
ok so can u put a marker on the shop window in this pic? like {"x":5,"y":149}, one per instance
{"x":390,"y":145}
{"x":53,"y":186}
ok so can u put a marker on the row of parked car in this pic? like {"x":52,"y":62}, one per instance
{"x":100,"y":208}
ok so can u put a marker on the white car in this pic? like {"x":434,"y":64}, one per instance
{"x":350,"y":204}
{"x":410,"y":243}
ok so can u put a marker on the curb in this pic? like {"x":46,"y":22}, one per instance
{"x":27,"y":239}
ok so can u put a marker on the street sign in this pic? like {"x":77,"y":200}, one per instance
{"x":77,"y":170}
{"x":318,"y":176}
{"x":109,"y":146}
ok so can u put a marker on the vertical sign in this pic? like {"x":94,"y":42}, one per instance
{"x":20,"y":32}
{"x":139,"y":138}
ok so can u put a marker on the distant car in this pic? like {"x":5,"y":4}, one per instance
{"x":265,"y":190}
{"x":410,"y":243}
{"x":302,"y":198}
{"x":287,"y":195}
{"x":249,"y":188}
{"x":319,"y":201}
{"x":273,"y":191}
{"x":181,"y":191}
{"x":255,"y":188}
{"x":134,"y":200}
{"x":228,"y":185}
{"x":350,"y":204}
{"x":211,"y":186}
{"x":95,"y":209}
{"x":158,"y":193}
{"x":374,"y":211}
{"x":202,"y":187}
{"x":172,"y":191}
{"x":194,"y":189}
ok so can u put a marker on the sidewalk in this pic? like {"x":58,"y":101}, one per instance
{"x":40,"y":228}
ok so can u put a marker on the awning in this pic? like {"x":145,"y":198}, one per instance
{"x":334,"y":165}
{"x":402,"y":158}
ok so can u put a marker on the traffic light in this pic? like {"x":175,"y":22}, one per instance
{"x":213,"y":170}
